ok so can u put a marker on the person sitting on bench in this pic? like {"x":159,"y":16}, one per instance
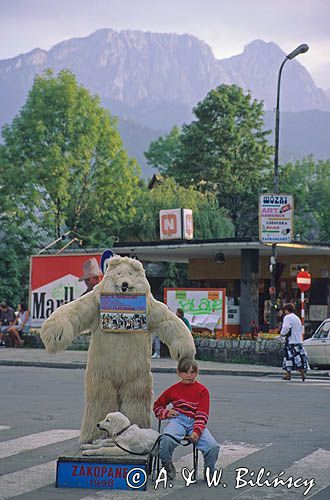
{"x":21,"y":325}
{"x":7,"y":319}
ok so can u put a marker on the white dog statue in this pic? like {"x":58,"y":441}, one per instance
{"x":129,"y":436}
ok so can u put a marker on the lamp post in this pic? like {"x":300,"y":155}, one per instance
{"x":301,"y":49}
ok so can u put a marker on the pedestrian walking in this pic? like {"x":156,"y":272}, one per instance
{"x":295,"y":357}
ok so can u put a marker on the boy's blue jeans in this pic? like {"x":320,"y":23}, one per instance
{"x":181,"y":426}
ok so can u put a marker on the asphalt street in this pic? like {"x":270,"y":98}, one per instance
{"x":260,"y":422}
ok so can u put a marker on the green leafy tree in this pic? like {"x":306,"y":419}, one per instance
{"x":210,"y":221}
{"x":163,"y":151}
{"x":15,"y":245}
{"x":224,"y":152}
{"x":308,"y":181}
{"x":320,"y":197}
{"x":62,"y":167}
{"x":65,"y":156}
{"x":16,"y":240}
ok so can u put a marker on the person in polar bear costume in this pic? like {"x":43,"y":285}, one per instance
{"x":118,"y":373}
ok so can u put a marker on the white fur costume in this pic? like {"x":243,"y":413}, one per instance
{"x":118,"y":374}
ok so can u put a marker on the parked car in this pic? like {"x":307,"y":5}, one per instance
{"x":318,"y":346}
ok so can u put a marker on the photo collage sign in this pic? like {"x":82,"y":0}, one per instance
{"x":123,"y":312}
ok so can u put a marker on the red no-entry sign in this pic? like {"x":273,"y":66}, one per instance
{"x":304,"y":281}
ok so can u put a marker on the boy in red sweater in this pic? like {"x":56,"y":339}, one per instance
{"x":188,"y":417}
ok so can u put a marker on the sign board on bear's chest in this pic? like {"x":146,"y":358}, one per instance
{"x":107,"y":473}
{"x":123,"y":312}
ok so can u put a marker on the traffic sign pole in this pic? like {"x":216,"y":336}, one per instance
{"x":304,"y":281}
{"x":303,"y":314}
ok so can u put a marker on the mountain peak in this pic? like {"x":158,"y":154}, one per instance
{"x":259,"y":45}
{"x":157,"y":78}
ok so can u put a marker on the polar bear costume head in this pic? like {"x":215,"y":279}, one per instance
{"x":124,"y":275}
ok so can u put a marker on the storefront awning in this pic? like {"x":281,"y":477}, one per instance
{"x":183,"y":251}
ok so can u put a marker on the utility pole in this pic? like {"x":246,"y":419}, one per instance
{"x":299,"y":50}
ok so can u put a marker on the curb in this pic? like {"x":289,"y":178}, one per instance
{"x":202,"y":371}
{"x":42,"y":364}
{"x":309,"y":376}
{"x":78,"y":364}
{"x":210,"y":371}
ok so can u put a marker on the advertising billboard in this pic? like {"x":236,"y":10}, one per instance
{"x":276,"y":218}
{"x":54,"y":280}
{"x":203,"y":307}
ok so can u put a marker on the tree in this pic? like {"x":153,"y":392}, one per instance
{"x":62,"y":167}
{"x":320,"y":197}
{"x":210,"y":221}
{"x":309,"y":183}
{"x":66,"y":157}
{"x":161,"y":152}
{"x":16,"y":240}
{"x":224,"y":152}
{"x":15,"y":244}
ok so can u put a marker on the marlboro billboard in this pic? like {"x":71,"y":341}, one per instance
{"x":54,"y":280}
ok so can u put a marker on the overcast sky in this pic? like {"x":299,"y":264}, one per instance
{"x":226,"y":25}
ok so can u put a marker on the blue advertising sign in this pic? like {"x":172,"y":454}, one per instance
{"x":123,"y":312}
{"x":101,"y":475}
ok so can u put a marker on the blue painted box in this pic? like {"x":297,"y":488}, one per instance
{"x":115,"y":473}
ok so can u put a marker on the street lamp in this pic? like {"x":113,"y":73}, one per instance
{"x":301,"y":49}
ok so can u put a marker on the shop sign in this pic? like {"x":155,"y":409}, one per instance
{"x":275,"y":218}
{"x":176,"y":224}
{"x":203,"y":307}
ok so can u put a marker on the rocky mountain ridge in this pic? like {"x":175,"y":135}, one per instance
{"x":155,"y":79}
{"x":137,"y":74}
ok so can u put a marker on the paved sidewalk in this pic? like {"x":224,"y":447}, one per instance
{"x":77,"y":359}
